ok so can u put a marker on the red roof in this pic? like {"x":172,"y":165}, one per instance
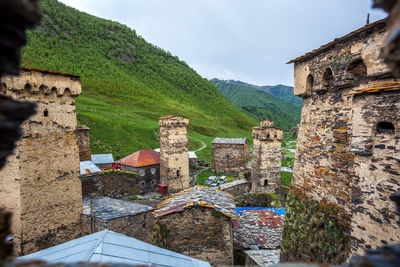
{"x":141,"y":158}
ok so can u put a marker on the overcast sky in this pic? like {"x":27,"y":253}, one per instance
{"x":247,"y":40}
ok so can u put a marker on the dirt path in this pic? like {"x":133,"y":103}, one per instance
{"x":203,"y":145}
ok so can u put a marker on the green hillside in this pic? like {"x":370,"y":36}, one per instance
{"x":259,"y":104}
{"x":128,"y":83}
{"x":283,"y":92}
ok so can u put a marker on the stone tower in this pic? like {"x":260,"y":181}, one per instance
{"x":266,"y":164}
{"x":40,"y":183}
{"x":83,"y":133}
{"x":174,"y":158}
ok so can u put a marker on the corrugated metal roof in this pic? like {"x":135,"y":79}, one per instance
{"x":88,"y":167}
{"x":106,"y":208}
{"x":141,"y":158}
{"x":192,"y":155}
{"x":239,"y":141}
{"x":110,"y":247}
{"x":102,"y":158}
{"x":379,"y":23}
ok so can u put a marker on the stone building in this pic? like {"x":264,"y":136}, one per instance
{"x":40,"y":184}
{"x":146,"y":164}
{"x":230,"y":155}
{"x":266,"y":164}
{"x":103,"y":161}
{"x":124,"y":217}
{"x":174,"y":159}
{"x":199,"y":225}
{"x":83,"y":134}
{"x":347,"y":160}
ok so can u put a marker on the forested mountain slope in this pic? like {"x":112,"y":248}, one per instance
{"x":259,"y":104}
{"x":128,"y":83}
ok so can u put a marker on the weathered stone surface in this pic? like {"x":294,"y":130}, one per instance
{"x":261,"y":229}
{"x":266,"y":164}
{"x":120,"y":216}
{"x":174,"y":158}
{"x":237,"y":188}
{"x":262,"y":257}
{"x":343,"y":159}
{"x":83,"y":134}
{"x":40,"y":184}
{"x":230,"y":156}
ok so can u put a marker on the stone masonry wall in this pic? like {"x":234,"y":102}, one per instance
{"x":116,"y":183}
{"x":266,"y":163}
{"x":377,"y":171}
{"x":327,"y":170}
{"x":230,"y":158}
{"x":201,"y":233}
{"x":42,"y":179}
{"x":138,"y":226}
{"x":237,"y":188}
{"x":83,"y":134}
{"x":174,"y":159}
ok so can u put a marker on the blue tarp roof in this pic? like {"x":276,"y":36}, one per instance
{"x":102,"y":158}
{"x":110,"y":247}
{"x":88,"y":167}
{"x":280,"y":212}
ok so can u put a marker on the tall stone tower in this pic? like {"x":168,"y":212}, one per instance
{"x":174,"y":158}
{"x":40,"y":183}
{"x":83,"y":133}
{"x":266,"y":164}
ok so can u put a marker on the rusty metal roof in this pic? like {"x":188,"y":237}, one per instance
{"x":202,"y":196}
{"x":52,"y":72}
{"x":141,"y":158}
{"x":380,"y":24}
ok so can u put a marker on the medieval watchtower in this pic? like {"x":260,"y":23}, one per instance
{"x":40,"y":183}
{"x":83,"y":133}
{"x":174,"y":159}
{"x":266,"y":164}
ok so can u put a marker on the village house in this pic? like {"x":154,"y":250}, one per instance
{"x":192,"y":159}
{"x":124,"y":217}
{"x":230,"y":155}
{"x":197,"y":223}
{"x":347,"y":151}
{"x":103,"y":161}
{"x":40,"y":183}
{"x":174,"y":158}
{"x":146,"y":164}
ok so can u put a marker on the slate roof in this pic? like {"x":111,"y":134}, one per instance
{"x":264,"y":257}
{"x":258,"y":228}
{"x":237,"y":141}
{"x":108,"y":208}
{"x":234,"y":183}
{"x":102,"y":158}
{"x":88,"y":167}
{"x":203,"y":196}
{"x":192,"y":155}
{"x":110,"y":247}
{"x":141,"y":158}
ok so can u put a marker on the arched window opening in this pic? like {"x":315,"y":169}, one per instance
{"x":327,"y":80}
{"x":46,"y":113}
{"x":265,"y":183}
{"x":385,"y":128}
{"x":178,"y":173}
{"x":357,"y":70}
{"x":309,"y":83}
{"x":28,"y":87}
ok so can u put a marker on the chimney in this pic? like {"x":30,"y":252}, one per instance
{"x":83,"y":135}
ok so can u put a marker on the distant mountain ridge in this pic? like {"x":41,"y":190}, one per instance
{"x":263,"y":102}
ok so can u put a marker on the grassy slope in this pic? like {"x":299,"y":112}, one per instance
{"x":259,"y":104}
{"x":128,"y":83}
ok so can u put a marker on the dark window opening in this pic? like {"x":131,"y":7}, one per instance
{"x":178,"y":173}
{"x":357,"y":70}
{"x":265,"y":182}
{"x":46,"y":113}
{"x":385,"y":128}
{"x":227,"y":156}
{"x":28,"y":87}
{"x":309,"y":83}
{"x":328,"y":78}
